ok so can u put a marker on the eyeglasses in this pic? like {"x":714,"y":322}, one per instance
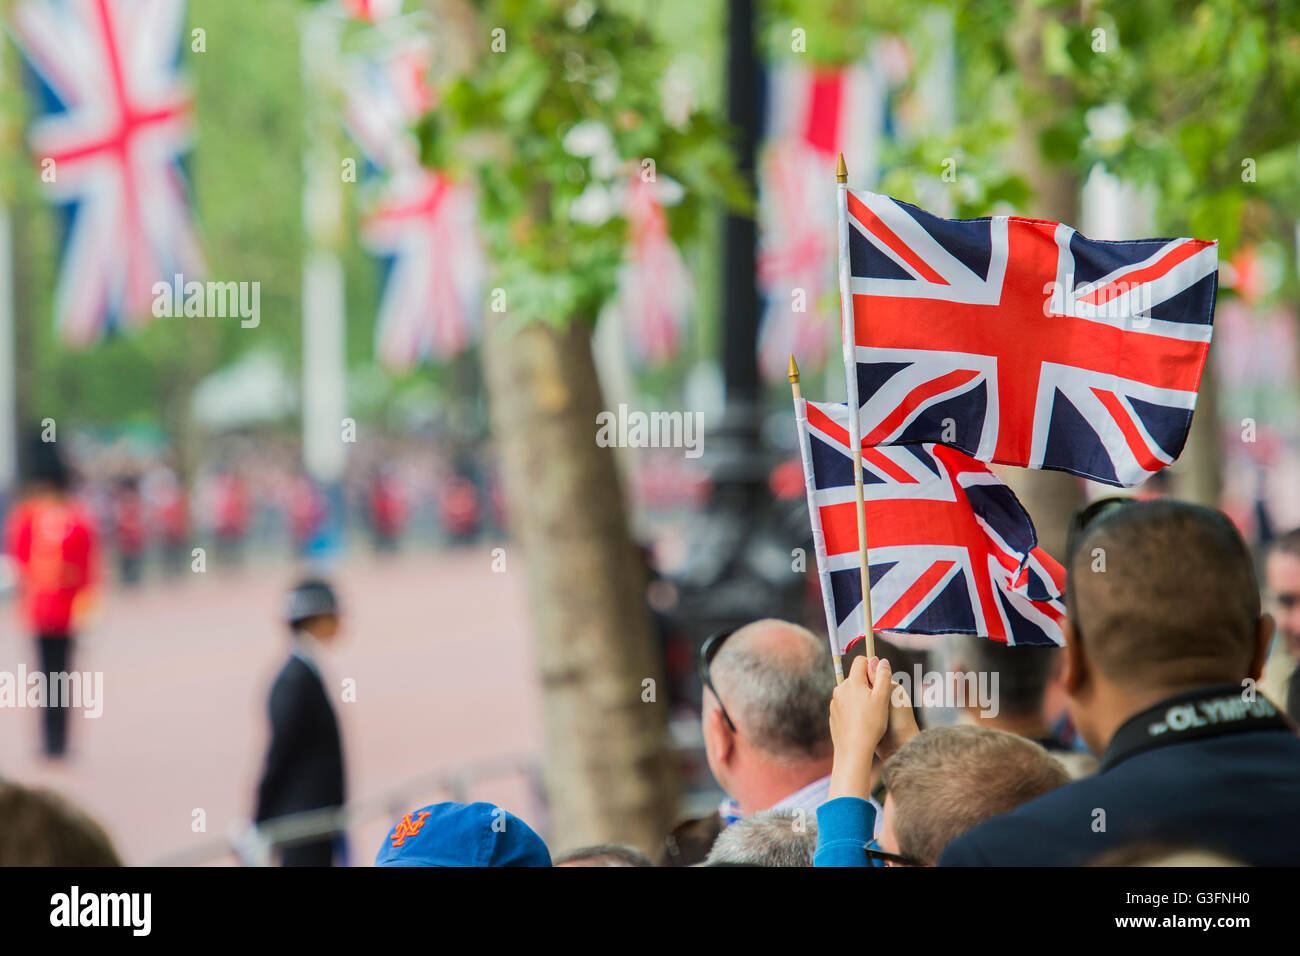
{"x":1089,"y":515}
{"x":881,"y":858}
{"x":708,"y":651}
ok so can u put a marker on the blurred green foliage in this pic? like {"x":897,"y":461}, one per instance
{"x":541,"y":68}
{"x":1192,"y":98}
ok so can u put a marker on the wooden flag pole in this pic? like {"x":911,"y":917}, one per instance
{"x":849,"y":337}
{"x":792,"y":372}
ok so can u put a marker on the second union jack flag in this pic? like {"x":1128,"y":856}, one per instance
{"x":951,"y":549}
{"x":111,"y":130}
{"x":1022,"y":342}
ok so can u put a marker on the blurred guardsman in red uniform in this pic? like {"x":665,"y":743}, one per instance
{"x":52,"y":540}
{"x":129,"y":531}
{"x":306,"y":511}
{"x":387,"y":510}
{"x":231,"y":518}
{"x":172,"y":517}
{"x":459,"y":509}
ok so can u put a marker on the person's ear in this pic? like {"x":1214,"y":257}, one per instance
{"x":1263,"y":637}
{"x":1074,"y":669}
{"x":718,"y":738}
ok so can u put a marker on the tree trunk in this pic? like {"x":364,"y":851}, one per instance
{"x":1198,"y":474}
{"x":1050,"y":497}
{"x":608,"y":774}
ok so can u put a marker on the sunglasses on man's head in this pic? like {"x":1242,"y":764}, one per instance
{"x":708,"y":651}
{"x":1089,"y":515}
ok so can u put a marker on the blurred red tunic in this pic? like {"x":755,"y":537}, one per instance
{"x":387,"y":506}
{"x":54,"y":545}
{"x":128,"y":523}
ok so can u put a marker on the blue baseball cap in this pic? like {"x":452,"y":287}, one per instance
{"x":462,"y":834}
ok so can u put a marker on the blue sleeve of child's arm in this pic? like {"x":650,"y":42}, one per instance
{"x":845,"y":826}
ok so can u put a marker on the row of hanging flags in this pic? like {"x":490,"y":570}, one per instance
{"x":112,"y":130}
{"x":996,"y":340}
{"x":114,"y":123}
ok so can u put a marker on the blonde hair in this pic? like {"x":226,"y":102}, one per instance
{"x":947,"y":780}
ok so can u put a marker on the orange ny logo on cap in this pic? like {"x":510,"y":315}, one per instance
{"x":408,"y":828}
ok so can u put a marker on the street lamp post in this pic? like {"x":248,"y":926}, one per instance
{"x":740,"y":567}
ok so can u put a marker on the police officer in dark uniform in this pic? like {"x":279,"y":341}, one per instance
{"x":304,"y":763}
{"x":1164,"y":644}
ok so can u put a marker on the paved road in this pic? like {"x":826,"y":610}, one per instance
{"x":437,"y":645}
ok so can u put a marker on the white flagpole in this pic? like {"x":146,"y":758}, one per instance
{"x":324,"y":323}
{"x":851,"y":380}
{"x":814,"y":520}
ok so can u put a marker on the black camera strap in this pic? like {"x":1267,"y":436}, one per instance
{"x":1208,"y":712}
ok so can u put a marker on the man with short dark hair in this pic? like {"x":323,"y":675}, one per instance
{"x":1022,"y":678}
{"x":1282,"y":571}
{"x":1164,"y":642}
{"x":763,"y":717}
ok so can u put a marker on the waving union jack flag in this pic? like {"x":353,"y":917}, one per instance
{"x":112,"y":127}
{"x":813,"y":113}
{"x":654,"y":285}
{"x":1021,"y":342}
{"x":952,"y":550}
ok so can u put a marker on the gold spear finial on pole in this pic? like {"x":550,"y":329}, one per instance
{"x":792,"y":372}
{"x":841,"y":171}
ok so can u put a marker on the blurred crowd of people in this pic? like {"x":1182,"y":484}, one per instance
{"x":252,"y":496}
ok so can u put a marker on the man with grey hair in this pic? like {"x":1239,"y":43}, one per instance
{"x":772,"y":838}
{"x":602,"y":854}
{"x":767,"y":690}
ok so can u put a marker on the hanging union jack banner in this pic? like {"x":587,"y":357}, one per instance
{"x":423,"y":228}
{"x":813,"y":113}
{"x":952,"y":550}
{"x":372,"y":11}
{"x":420,"y":224}
{"x":112,"y":126}
{"x":1021,"y":342}
{"x":654,"y":284}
